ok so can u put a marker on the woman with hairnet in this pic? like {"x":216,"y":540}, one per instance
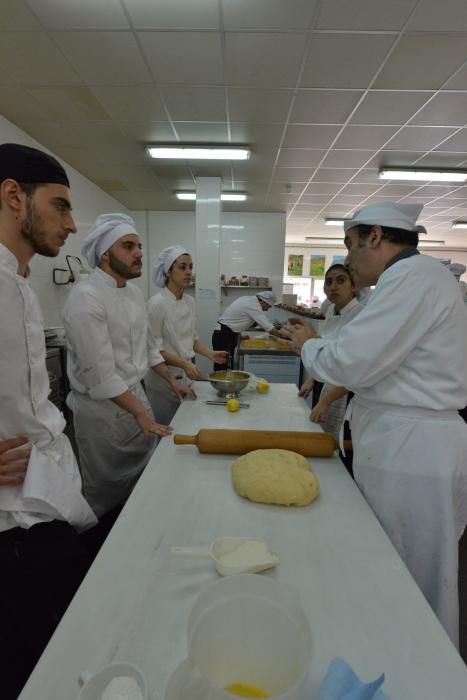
{"x":172,"y":336}
{"x":241,"y":314}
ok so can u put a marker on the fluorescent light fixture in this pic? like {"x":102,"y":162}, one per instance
{"x":430,"y":244}
{"x":459,"y":224}
{"x":331,"y":221}
{"x":225,"y":196}
{"x":423,"y":175}
{"x":199,"y":152}
{"x":325,"y":241}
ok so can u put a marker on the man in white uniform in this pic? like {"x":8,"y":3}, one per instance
{"x":106,"y":329}
{"x":42,"y":558}
{"x":241,"y":314}
{"x":405,"y":358}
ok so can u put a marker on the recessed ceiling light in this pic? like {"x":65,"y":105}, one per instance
{"x":423,"y":175}
{"x":459,"y":224}
{"x":325,"y":241}
{"x":331,"y":221}
{"x":430,"y":244}
{"x":199,"y":152}
{"x":225,"y":196}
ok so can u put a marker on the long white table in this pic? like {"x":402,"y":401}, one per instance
{"x":361,"y":602}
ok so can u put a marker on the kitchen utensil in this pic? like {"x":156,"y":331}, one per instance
{"x":223,"y":546}
{"x":238,"y":442}
{"x":223,"y":403}
{"x":94,"y":684}
{"x":229,"y":383}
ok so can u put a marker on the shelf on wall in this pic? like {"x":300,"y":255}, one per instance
{"x":242,"y":286}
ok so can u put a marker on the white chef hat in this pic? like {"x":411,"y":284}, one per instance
{"x":269,"y":297}
{"x":391,"y":214}
{"x":164,"y":262}
{"x":107,"y":229}
{"x":457,"y":269}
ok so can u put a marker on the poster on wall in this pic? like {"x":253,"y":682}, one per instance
{"x":317,"y":265}
{"x":338,"y":259}
{"x":295,"y":265}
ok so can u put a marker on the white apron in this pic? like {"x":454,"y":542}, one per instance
{"x":112,"y":449}
{"x":420,"y":502}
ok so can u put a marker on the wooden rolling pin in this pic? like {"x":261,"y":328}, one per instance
{"x":238,"y":442}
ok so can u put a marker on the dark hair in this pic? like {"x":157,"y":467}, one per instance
{"x":340,"y":266}
{"x":27,"y":187}
{"x":393,"y":235}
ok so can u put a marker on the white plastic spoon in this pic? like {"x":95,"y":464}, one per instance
{"x":256,"y":556}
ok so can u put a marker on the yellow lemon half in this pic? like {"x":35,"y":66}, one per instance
{"x":262,"y":387}
{"x":243,"y":690}
{"x":232,"y":405}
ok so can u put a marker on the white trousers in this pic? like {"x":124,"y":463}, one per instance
{"x":411,"y":466}
{"x":111,"y":446}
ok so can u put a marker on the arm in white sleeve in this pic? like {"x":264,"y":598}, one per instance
{"x":377,"y":341}
{"x":155,"y":343}
{"x":258,"y":315}
{"x":86,"y":328}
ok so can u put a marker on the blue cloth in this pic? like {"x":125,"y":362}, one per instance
{"x":341,"y":683}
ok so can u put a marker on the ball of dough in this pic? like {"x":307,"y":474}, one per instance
{"x":280,"y":477}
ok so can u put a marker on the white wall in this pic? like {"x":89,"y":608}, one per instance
{"x":88,"y":202}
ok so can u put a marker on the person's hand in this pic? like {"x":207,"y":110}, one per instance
{"x":13,"y":462}
{"x":319,"y":412}
{"x":148,"y":425}
{"x":182,"y":390}
{"x":192,"y":371}
{"x":220,"y":357}
{"x":298,"y":332}
{"x":306,"y":387}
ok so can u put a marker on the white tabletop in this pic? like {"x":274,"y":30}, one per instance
{"x":361,"y":602}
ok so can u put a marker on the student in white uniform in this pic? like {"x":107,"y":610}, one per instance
{"x":106,"y":329}
{"x":340,"y":289}
{"x":241,"y":314}
{"x":405,"y":358}
{"x":172,"y":336}
{"x":42,"y":557}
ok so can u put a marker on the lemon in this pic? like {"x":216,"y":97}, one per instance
{"x":232,"y":405}
{"x":244,"y":690}
{"x":262,"y":387}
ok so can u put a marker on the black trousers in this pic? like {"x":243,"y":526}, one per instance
{"x":224,"y":339}
{"x":40,"y":571}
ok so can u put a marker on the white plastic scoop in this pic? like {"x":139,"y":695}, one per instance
{"x":234,"y":555}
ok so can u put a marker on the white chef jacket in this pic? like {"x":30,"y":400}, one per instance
{"x":171,"y":326}
{"x":405,"y":358}
{"x":106,"y":336}
{"x":52,"y":486}
{"x":242,"y":313}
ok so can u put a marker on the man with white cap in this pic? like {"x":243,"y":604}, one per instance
{"x":42,"y":558}
{"x":241,"y":314}
{"x":404,"y":358}
{"x":172,"y":335}
{"x":106,"y":328}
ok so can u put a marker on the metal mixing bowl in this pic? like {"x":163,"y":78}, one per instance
{"x":230,"y":387}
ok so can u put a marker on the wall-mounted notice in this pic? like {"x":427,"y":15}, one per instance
{"x":317,"y":265}
{"x":295,"y":265}
{"x":338,"y":259}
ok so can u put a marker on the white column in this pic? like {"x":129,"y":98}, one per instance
{"x":207,"y":260}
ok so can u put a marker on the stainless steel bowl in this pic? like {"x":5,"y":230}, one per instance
{"x":229,"y":384}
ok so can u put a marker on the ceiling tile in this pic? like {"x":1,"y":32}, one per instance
{"x":20,"y":107}
{"x":300,"y":157}
{"x":167,"y":14}
{"x":445,"y":109}
{"x":257,"y":105}
{"x":415,"y":64}
{"x":183,"y":57}
{"x":458,"y":80}
{"x":17,"y":17}
{"x":367,"y":176}
{"x":195,"y":103}
{"x":329,"y":188}
{"x":344,"y":60}
{"x":299,"y":175}
{"x":131,"y":102}
{"x":257,"y":135}
{"x":359,"y":189}
{"x":443,"y":190}
{"x":338,"y":175}
{"x":197,"y":132}
{"x":310,"y":136}
{"x":73,"y":102}
{"x":389,"y":107}
{"x":111,"y":58}
{"x":147,"y":132}
{"x":365,"y":14}
{"x":324,"y":106}
{"x":366,"y":137}
{"x":32,"y":57}
{"x":440,"y":159}
{"x":396,"y":191}
{"x":394,"y":158}
{"x":268,"y":14}
{"x":85,"y":14}
{"x":273,"y":66}
{"x":418,"y":138}
{"x":149,"y":201}
{"x":432,"y":15}
{"x":346,"y":159}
